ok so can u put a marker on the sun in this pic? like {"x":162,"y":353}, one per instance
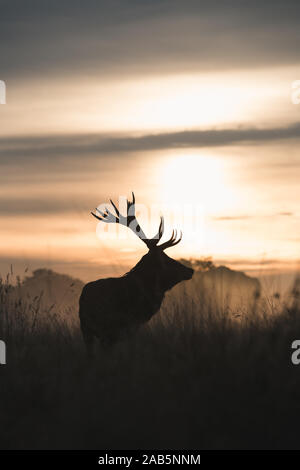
{"x":195,"y":180}
{"x":196,"y":188}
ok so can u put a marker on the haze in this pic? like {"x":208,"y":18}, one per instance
{"x":186,"y":103}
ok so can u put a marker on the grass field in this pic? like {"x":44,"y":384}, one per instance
{"x":193,"y":378}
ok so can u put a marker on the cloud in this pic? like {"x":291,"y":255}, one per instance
{"x":72,"y":146}
{"x":253,"y":262}
{"x":24,"y":206}
{"x":286,"y":214}
{"x":131,"y":36}
{"x":244,"y":217}
{"x":237,"y":217}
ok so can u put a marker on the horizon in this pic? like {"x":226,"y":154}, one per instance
{"x":272,"y":281}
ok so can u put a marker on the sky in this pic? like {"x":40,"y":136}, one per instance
{"x":189,"y":104}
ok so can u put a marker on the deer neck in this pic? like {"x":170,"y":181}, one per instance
{"x":149,"y":285}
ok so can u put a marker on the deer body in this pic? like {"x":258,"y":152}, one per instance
{"x":112,"y":307}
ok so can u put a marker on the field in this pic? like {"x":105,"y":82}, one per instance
{"x":195,"y":377}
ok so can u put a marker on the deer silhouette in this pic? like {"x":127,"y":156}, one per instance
{"x":112,"y":307}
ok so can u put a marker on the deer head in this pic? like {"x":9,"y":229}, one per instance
{"x":155,"y":264}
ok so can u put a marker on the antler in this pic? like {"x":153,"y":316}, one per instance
{"x":130,"y":221}
{"x":172,"y":241}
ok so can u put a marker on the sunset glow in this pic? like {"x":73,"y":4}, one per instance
{"x":177,"y":130}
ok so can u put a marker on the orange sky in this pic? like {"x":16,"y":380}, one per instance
{"x":214,"y":147}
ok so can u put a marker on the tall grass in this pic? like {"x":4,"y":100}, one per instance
{"x":191,"y":378}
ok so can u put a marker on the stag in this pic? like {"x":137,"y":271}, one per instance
{"x":109,"y":308}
